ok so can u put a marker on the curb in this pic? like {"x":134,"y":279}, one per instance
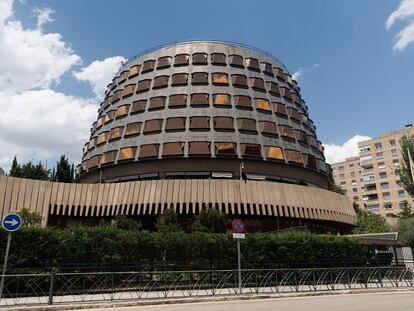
{"x":86,"y":305}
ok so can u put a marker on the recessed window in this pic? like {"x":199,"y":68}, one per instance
{"x":220,"y":78}
{"x":110,"y":115}
{"x":108,"y":157}
{"x":134,"y":71}
{"x":175,"y":124}
{"x":293,"y":114}
{"x":177,"y":101}
{"x":94,"y":161}
{"x":278,"y":72}
{"x":285,"y":92}
{"x":236,"y":61}
{"x":173,"y":149}
{"x":304,"y":119}
{"x":218,"y":59}
{"x":199,"y":99}
{"x":123,"y":76}
{"x":116,"y":132}
{"x":274,"y":153}
{"x":164,"y":62}
{"x":179,"y":79}
{"x":143,"y":86}
{"x":286,"y":132}
{"x":199,"y":148}
{"x":223,"y":124}
{"x":200,"y":59}
{"x":92,"y":143}
{"x":199,"y":78}
{"x":128,"y":90}
{"x":102,"y":138}
{"x":239,"y":81}
{"x":160,"y":82}
{"x":127,"y":153}
{"x":279,"y":109}
{"x":301,"y":136}
{"x":225,"y":149}
{"x":267,"y":69}
{"x":122,"y":111}
{"x":138,"y":106}
{"x":153,"y":126}
{"x":117,"y":96}
{"x":288,"y":79}
{"x":149,"y":151}
{"x":268,"y":128}
{"x":100,"y":122}
{"x":199,"y":123}
{"x":257,"y":84}
{"x":309,"y":161}
{"x":273,"y":88}
{"x":148,"y":66}
{"x":247,"y":125}
{"x":294,"y":156}
{"x":181,"y":60}
{"x":133,"y":129}
{"x":252,"y":64}
{"x":157,"y":103}
{"x":262,"y":104}
{"x":221,"y":100}
{"x":243,"y":102}
{"x":312,"y":141}
{"x":250,"y":150}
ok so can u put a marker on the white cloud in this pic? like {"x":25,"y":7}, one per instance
{"x":99,"y":73}
{"x":301,"y":72}
{"x":338,"y":153}
{"x":43,"y":16}
{"x":405,"y":12}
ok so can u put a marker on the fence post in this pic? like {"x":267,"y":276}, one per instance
{"x":51,"y":286}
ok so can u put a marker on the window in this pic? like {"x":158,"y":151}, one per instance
{"x":223,"y":124}
{"x":252,"y":64}
{"x":149,"y":151}
{"x":262,"y":105}
{"x":388,"y":205}
{"x":392,"y":142}
{"x":160,"y":82}
{"x":381,"y":164}
{"x":268,"y":128}
{"x":199,"y":78}
{"x":257,"y":84}
{"x":304,"y":119}
{"x":175,"y":124}
{"x":177,"y":101}
{"x":199,"y":123}
{"x":383,"y":175}
{"x":225,"y":149}
{"x":401,"y":193}
{"x":352,"y":174}
{"x":199,"y":59}
{"x":309,"y":161}
{"x":239,"y":81}
{"x":293,"y":114}
{"x":218,"y":59}
{"x":122,"y":111}
{"x":250,"y":150}
{"x":354,"y":190}
{"x":108,"y":157}
{"x":117,"y":96}
{"x":181,"y":60}
{"x":153,"y":126}
{"x":143,"y":85}
{"x":285,"y":92}
{"x":148,"y":66}
{"x":134,"y":71}
{"x":301,"y":136}
{"x":94,"y":161}
{"x":133,"y":129}
{"x":220,"y":78}
{"x":286,"y":132}
{"x":127,"y":153}
{"x":157,"y":103}
{"x":92,"y":143}
{"x":294,"y":156}
{"x":199,"y":99}
{"x":173,"y":149}
{"x":395,"y":162}
{"x":394,"y":152}
{"x":138,"y":106}
{"x":236,"y":61}
{"x":365,"y":158}
{"x":378,"y":146}
{"x":221,"y":100}
{"x":341,"y":176}
{"x":102,"y":138}
{"x":179,"y":79}
{"x":279,"y":109}
{"x":267,"y":69}
{"x":128,"y":90}
{"x":273,"y":88}
{"x":312,"y":141}
{"x":164,"y":62}
{"x":386,"y":195}
{"x":278,"y":72}
{"x":365,"y":149}
{"x":247,"y":125}
{"x":116,"y":132}
{"x":198,"y":148}
{"x":380,"y":155}
{"x":243,"y":102}
{"x":274,"y":153}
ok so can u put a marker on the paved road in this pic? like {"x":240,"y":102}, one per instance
{"x":398,"y":301}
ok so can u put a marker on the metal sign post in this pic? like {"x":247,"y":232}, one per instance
{"x":238,"y":234}
{"x":10,"y":223}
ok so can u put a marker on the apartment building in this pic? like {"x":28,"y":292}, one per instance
{"x":370,"y":179}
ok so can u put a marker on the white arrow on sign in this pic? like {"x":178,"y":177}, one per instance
{"x":13,"y":222}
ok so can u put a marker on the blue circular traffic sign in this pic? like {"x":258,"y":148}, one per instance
{"x":237,"y":226}
{"x":12,"y":222}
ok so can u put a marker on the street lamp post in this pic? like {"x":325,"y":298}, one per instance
{"x":241,"y":170}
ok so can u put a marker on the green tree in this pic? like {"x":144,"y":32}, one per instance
{"x":30,"y":219}
{"x":15,"y":170}
{"x":406,"y":231}
{"x":72,"y":172}
{"x":210,"y":220}
{"x":126,"y":223}
{"x":63,"y":170}
{"x":335,"y":188}
{"x":368,"y":222}
{"x":406,"y":210}
{"x":404,"y":171}
{"x":31,"y":171}
{"x":167,"y":221}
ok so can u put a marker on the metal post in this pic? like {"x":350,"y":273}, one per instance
{"x":239,"y":265}
{"x":241,"y":170}
{"x":51,"y":286}
{"x":6,"y":257}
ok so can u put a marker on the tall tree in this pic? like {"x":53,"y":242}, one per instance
{"x":406,"y":210}
{"x":404,"y":171}
{"x":63,"y":170}
{"x":16,"y":170}
{"x":72,"y":172}
{"x":368,"y":222}
{"x":210,"y":220}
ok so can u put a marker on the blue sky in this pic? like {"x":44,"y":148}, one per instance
{"x":354,"y":79}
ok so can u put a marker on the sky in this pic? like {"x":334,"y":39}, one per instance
{"x":353,"y":59}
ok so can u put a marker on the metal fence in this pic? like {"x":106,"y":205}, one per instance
{"x":55,"y":288}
